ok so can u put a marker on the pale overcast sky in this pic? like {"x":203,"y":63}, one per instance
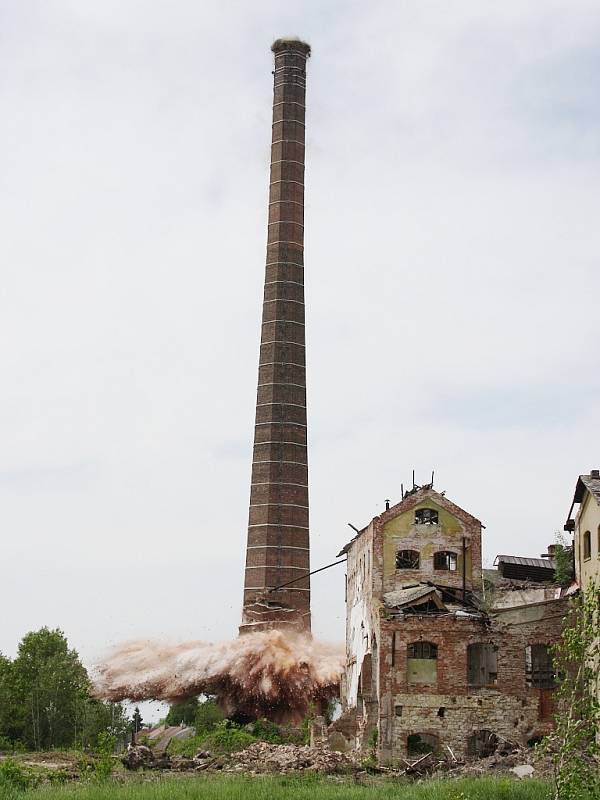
{"x":452,"y":281}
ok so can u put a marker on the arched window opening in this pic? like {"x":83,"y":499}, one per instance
{"x":365,"y":681}
{"x":426,"y":516}
{"x":407,"y":559}
{"x":539,"y":666}
{"x":421,"y":662}
{"x":445,"y":559}
{"x":482,"y":664}
{"x":482,"y":744}
{"x":421,"y":743}
{"x":587,"y":544}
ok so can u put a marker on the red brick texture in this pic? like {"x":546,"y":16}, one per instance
{"x":278,"y":525}
{"x":510,"y":708}
{"x":446,"y":706}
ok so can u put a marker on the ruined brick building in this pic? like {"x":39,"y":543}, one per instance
{"x":434,"y":659}
{"x":432,"y":662}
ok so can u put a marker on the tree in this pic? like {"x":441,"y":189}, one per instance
{"x":50,"y":684}
{"x":136,"y":721}
{"x":46,"y":699}
{"x":574,"y":745}
{"x":208,"y":715}
{"x":8,"y":710}
{"x":563,"y":560}
{"x":184,"y":712}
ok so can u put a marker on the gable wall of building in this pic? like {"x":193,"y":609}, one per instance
{"x":588,"y":519}
{"x":402,"y":532}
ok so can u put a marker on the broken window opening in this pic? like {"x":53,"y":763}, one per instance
{"x":421,"y":743}
{"x":441,"y":712}
{"x":482,"y":664}
{"x":398,"y":711}
{"x":445,"y":559}
{"x":422,"y":650}
{"x":539,"y":668}
{"x":430,"y":607}
{"x":407,"y":559}
{"x":365,"y":680}
{"x":587,"y":545}
{"x":426,"y":516}
{"x":421,"y":663}
{"x":482,"y":744}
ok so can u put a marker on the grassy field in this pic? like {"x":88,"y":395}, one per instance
{"x":296,"y":788}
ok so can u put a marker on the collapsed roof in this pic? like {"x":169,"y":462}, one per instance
{"x":427,"y":598}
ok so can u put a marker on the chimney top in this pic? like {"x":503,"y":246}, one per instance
{"x":290,"y":44}
{"x":595,"y":473}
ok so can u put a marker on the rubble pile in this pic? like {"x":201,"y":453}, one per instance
{"x":285,"y":758}
{"x":261,"y":757}
{"x":264,"y":757}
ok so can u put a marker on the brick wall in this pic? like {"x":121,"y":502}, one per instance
{"x":278,"y":524}
{"x":449,"y":708}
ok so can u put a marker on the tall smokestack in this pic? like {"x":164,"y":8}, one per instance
{"x":278,"y":538}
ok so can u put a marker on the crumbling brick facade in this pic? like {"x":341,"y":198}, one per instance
{"x":426,"y":666}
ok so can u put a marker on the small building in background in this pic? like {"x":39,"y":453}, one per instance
{"x":585,"y":527}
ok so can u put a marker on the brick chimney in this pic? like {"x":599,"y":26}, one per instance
{"x":278,"y":538}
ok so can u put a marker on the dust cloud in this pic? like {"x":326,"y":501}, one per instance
{"x":274,"y":674}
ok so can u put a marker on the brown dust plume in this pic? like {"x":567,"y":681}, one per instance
{"x":274,"y":674}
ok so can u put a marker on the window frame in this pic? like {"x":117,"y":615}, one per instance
{"x":404,"y":553}
{"x":430,"y":647}
{"x":540,"y":678}
{"x":489,"y":647}
{"x":451,"y":558}
{"x":587,"y":545}
{"x":431,"y":516}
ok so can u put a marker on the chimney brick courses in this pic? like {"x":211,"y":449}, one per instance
{"x":278,"y":526}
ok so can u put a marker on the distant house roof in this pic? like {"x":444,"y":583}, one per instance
{"x":590,"y":483}
{"x":533,"y":569}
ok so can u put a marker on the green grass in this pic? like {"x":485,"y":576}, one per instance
{"x":225,"y":787}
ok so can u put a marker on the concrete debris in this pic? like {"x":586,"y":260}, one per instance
{"x":260,"y":757}
{"x":264,"y":757}
{"x":137,"y":756}
{"x":523,"y":771}
{"x":285,"y":758}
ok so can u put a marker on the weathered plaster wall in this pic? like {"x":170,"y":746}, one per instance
{"x":588,"y":519}
{"x":399,"y":531}
{"x":508,"y":598}
{"x":359,"y":612}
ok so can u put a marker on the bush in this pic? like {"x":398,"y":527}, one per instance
{"x":183,"y":712}
{"x":266,"y":731}
{"x":208,"y":715}
{"x":104,"y":765}
{"x":14,"y":776}
{"x":9,"y":746}
{"x":227,"y":737}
